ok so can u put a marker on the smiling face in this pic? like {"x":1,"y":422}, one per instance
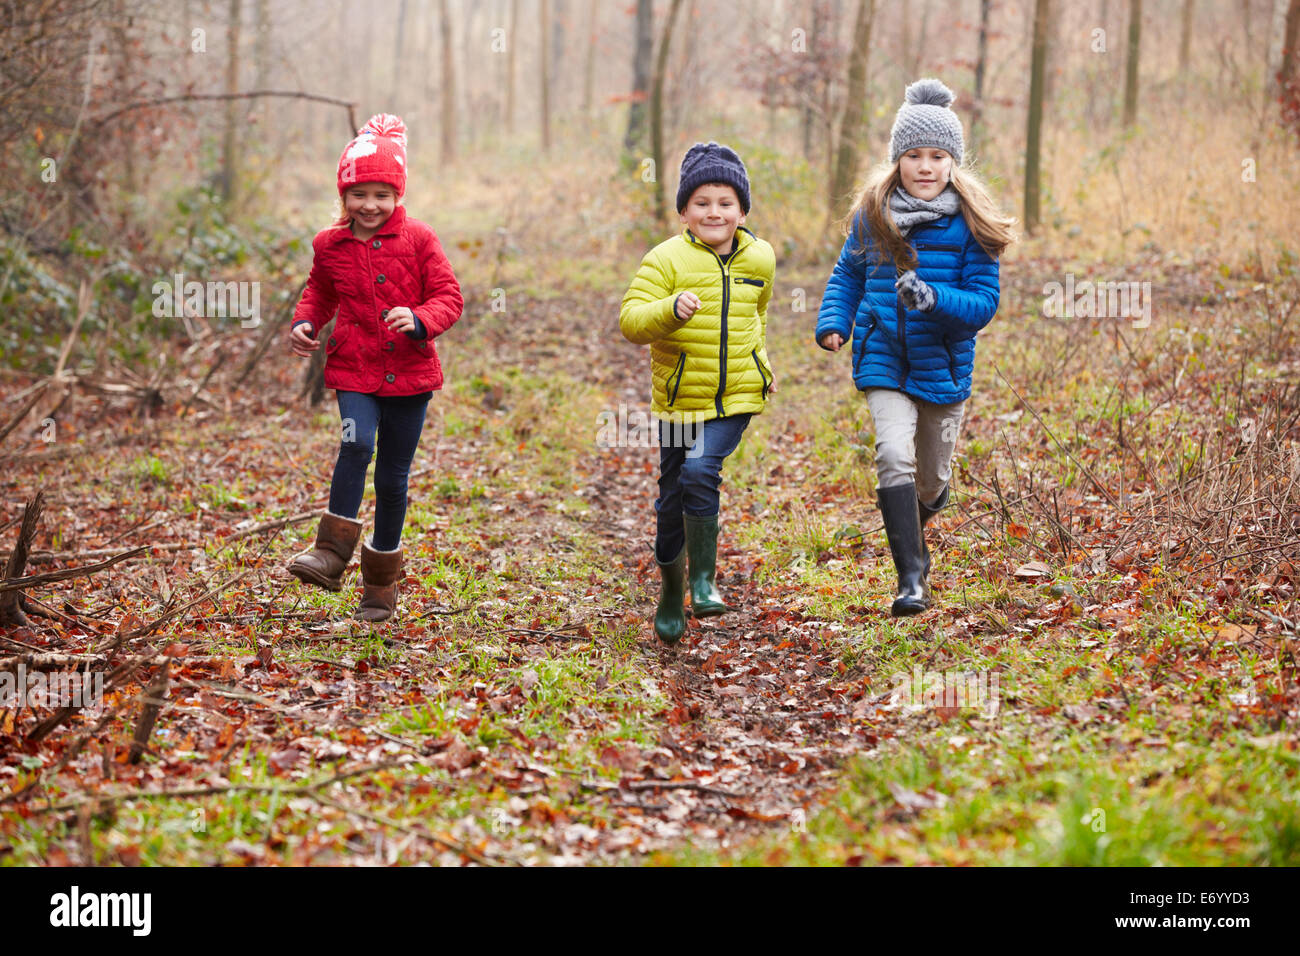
{"x":713,"y":215}
{"x":926,"y":171}
{"x":369,"y":205}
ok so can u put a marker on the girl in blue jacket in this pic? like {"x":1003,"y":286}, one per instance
{"x":915,"y":282}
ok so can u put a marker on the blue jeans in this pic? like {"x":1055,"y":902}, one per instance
{"x":690,"y":474}
{"x":397,"y":422}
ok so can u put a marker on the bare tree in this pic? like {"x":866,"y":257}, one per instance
{"x":1034,"y":127}
{"x":642,"y":49}
{"x":229,"y":143}
{"x":1185,"y":37}
{"x":589,"y":74}
{"x":657,"y":110}
{"x":512,"y":45}
{"x":448,"y":90}
{"x":1131,"y":64}
{"x":981,"y":66}
{"x":545,"y":78}
{"x":855,"y":104}
{"x":397,"y":57}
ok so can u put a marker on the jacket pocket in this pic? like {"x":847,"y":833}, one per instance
{"x":862,"y":352}
{"x":675,"y":379}
{"x":952,"y":359}
{"x":939,"y":246}
{"x":765,"y":376}
{"x":337,"y":338}
{"x":743,"y":280}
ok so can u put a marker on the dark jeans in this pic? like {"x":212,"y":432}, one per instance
{"x":397,"y":422}
{"x":690,"y":475}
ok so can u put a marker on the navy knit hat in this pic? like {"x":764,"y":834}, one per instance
{"x":711,"y":163}
{"x":924,"y":119}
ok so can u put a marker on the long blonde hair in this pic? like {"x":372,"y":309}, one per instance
{"x":991,"y":229}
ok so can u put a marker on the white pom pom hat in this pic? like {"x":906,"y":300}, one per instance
{"x":924,"y":119}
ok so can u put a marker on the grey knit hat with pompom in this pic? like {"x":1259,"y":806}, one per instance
{"x":924,"y":119}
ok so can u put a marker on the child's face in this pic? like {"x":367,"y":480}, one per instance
{"x":925,"y":171}
{"x":369,"y":204}
{"x":713,"y":214}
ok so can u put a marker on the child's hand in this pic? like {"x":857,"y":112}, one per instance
{"x":831,"y":341}
{"x":688,"y":303}
{"x":914,"y":292}
{"x":300,"y":340}
{"x":400,"y":319}
{"x":771,"y":386}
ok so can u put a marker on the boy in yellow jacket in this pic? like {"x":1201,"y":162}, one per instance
{"x":699,"y":301}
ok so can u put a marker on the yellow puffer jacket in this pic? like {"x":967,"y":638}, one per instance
{"x":715,"y":363}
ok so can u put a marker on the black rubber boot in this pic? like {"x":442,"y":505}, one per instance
{"x":928,"y":512}
{"x":898,"y":506}
{"x":702,"y":549}
{"x":670,"y":616}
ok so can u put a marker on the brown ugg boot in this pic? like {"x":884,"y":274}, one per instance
{"x":323,"y":566}
{"x":379,"y":573}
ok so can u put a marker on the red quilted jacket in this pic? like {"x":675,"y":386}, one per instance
{"x":402,"y":264}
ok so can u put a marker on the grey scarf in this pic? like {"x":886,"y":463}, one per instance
{"x":908,"y":211}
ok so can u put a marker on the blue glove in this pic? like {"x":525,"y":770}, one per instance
{"x":914,"y":292}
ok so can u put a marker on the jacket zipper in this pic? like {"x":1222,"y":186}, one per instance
{"x":679,"y":371}
{"x":906,"y":365}
{"x":722,"y":344}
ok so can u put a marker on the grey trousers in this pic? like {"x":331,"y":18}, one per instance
{"x":915,"y":441}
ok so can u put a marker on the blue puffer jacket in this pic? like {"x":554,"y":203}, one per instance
{"x":928,"y":355}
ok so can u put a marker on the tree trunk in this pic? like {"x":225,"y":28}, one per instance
{"x":1033,"y":134}
{"x":1276,"y":47}
{"x":448,"y":90}
{"x":981,"y":66}
{"x":123,"y":84}
{"x":397,"y":59}
{"x":229,"y":143}
{"x":1288,"y":71}
{"x":589,"y":75}
{"x":640,"y":75}
{"x":512,"y":45}
{"x":1185,"y":37}
{"x":657,"y":110}
{"x":855,"y":108}
{"x":262,"y":66}
{"x":545,"y":78}
{"x":1131,"y":65}
{"x":559,"y":12}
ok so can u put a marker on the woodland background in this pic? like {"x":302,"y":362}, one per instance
{"x":1122,"y":553}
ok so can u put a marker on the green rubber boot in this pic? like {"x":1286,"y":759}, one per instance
{"x":702,"y":548}
{"x":670,"y":616}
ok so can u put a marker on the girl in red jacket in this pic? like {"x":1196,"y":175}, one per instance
{"x":395,"y":293}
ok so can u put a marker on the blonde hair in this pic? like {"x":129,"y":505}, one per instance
{"x":991,"y":229}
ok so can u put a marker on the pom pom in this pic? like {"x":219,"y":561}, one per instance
{"x":928,"y":92}
{"x":386,"y":125}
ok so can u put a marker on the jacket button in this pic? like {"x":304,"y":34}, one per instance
{"x":390,"y":378}
{"x":384,"y":314}
{"x":380,"y":278}
{"x":331,"y":341}
{"x":388,"y":346}
{"x":376,"y":244}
